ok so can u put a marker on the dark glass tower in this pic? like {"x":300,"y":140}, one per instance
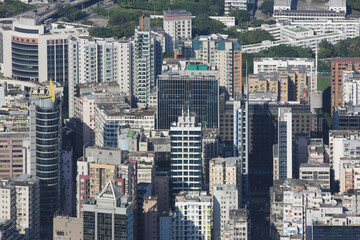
{"x":45,"y":148}
{"x":196,"y":90}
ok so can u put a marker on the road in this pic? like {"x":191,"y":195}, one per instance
{"x":49,"y":10}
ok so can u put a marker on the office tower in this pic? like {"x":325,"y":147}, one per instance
{"x":69,"y":227}
{"x":150,"y":211}
{"x":162,"y":191}
{"x":241,"y":141}
{"x":225,"y":171}
{"x":192,"y":216}
{"x":109,"y":215}
{"x":225,"y":56}
{"x":225,"y":199}
{"x":231,"y":5}
{"x":32,"y":51}
{"x":147,"y":61}
{"x":262,"y":129}
{"x":338,"y":66}
{"x":96,"y":60}
{"x":282,"y":152}
{"x":185,"y":158}
{"x":98,"y":166}
{"x":45,"y":152}
{"x":346,"y":118}
{"x":178,"y":24}
{"x":197,"y":91}
{"x":21,"y":203}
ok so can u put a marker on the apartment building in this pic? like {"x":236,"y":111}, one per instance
{"x":21,"y":203}
{"x":317,"y":172}
{"x":178,"y":24}
{"x":99,"y":166}
{"x":238,"y":226}
{"x":233,"y":5}
{"x":338,"y":66}
{"x":192,"y":216}
{"x":223,"y":55}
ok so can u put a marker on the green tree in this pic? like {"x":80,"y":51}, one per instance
{"x":256,"y":36}
{"x":326,"y":49}
{"x":157,"y":23}
{"x":267,"y":7}
{"x":203,"y":25}
{"x":168,"y":54}
{"x":241,"y":16}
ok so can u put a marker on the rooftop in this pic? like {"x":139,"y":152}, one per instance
{"x":175,"y":13}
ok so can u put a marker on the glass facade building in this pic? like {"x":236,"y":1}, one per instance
{"x":179,"y":92}
{"x":45,"y":150}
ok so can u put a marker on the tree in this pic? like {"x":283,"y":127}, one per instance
{"x":241,"y":16}
{"x":267,"y":7}
{"x":168,"y":54}
{"x":203,"y":25}
{"x":326,"y":49}
{"x":256,"y":36}
{"x":157,"y":23}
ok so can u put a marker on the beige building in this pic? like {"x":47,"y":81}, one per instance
{"x":289,"y":85}
{"x":224,"y":171}
{"x":68,"y":228}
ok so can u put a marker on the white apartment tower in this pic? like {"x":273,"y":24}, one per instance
{"x":147,"y":61}
{"x":21,"y":203}
{"x":178,"y":24}
{"x":99,"y":60}
{"x":225,"y":199}
{"x":185,"y":159}
{"x":230,"y":5}
{"x":192,"y":216}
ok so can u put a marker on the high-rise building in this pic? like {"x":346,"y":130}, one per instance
{"x":96,"y":60}
{"x":31,"y":51}
{"x":98,"y":166}
{"x":197,"y":91}
{"x":45,"y":152}
{"x":225,"y":199}
{"x":238,"y":227}
{"x":147,"y":61}
{"x":283,"y":167}
{"x":162,"y":191}
{"x":21,"y":203}
{"x":241,"y":140}
{"x":224,"y":171}
{"x":234,"y":5}
{"x":338,"y":66}
{"x":109,"y":215}
{"x":351,"y":88}
{"x":225,"y":56}
{"x":192,"y":216}
{"x":150,"y":211}
{"x":178,"y":24}
{"x":185,"y":158}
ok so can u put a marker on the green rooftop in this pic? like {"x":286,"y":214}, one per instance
{"x":298,"y":29}
{"x":130,"y":134}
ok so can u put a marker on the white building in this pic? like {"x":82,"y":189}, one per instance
{"x":31,"y":51}
{"x":192,"y":216}
{"x":227,"y":21}
{"x":342,"y":144}
{"x":225,"y":199}
{"x":317,"y":172}
{"x":337,"y":5}
{"x":351,"y":87}
{"x":178,"y":24}
{"x":21,"y":203}
{"x":230,"y":5}
{"x":283,"y":5}
{"x":185,"y":160}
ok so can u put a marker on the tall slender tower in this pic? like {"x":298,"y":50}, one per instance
{"x":45,"y":150}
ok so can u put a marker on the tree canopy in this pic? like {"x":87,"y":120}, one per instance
{"x":9,"y":8}
{"x":267,"y":7}
{"x":241,"y":16}
{"x":203,"y":25}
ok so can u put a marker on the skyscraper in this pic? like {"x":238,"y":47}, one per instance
{"x":196,"y":90}
{"x":147,"y":61}
{"x":110,"y":216}
{"x":283,"y":149}
{"x":185,"y":158}
{"x":45,"y":152}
